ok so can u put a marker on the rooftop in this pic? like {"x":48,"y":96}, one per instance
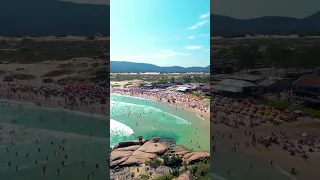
{"x":308,"y":81}
{"x":246,"y":77}
{"x":237,"y":83}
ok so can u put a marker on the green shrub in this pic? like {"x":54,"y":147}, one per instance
{"x":173,"y":161}
{"x":48,"y":80}
{"x":23,"y":76}
{"x":200,"y":171}
{"x":165,"y":177}
{"x":144,"y":177}
{"x":154,"y":163}
{"x":57,"y":73}
{"x":175,"y":172}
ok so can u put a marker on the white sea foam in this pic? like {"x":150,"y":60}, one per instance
{"x":200,"y":117}
{"x":117,"y":94}
{"x":119,"y":129}
{"x":54,"y":108}
{"x":146,"y":108}
{"x":285,"y":172}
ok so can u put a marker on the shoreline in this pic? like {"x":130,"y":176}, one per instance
{"x":194,"y":123}
{"x":179,"y":104}
{"x":55,"y":107}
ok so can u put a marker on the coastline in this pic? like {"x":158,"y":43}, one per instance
{"x":57,"y":107}
{"x":179,"y":104}
{"x":198,"y":129}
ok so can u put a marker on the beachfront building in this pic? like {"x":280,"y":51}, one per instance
{"x":162,"y":85}
{"x":274,"y":84}
{"x":307,"y":88}
{"x":205,"y":88}
{"x":234,"y":88}
{"x":247,"y":77}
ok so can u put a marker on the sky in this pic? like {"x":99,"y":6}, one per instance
{"x":160,"y":32}
{"x":245,"y":9}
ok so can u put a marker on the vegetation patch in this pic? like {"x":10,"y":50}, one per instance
{"x":82,"y":65}
{"x":308,"y":111}
{"x":144,"y":177}
{"x":23,"y":76}
{"x":281,"y":105}
{"x":165,"y":177}
{"x":37,"y":51}
{"x":57,"y":73}
{"x":48,"y":80}
{"x":200,"y":171}
{"x":65,"y":66}
{"x":172,"y":161}
{"x":154,"y":163}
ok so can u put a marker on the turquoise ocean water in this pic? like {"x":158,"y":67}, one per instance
{"x":132,"y":117}
{"x":38,"y":145}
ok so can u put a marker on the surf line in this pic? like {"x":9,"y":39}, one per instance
{"x":285,"y":172}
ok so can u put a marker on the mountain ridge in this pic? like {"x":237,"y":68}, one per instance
{"x":53,"y":17}
{"x":221,"y":25}
{"x":132,"y":67}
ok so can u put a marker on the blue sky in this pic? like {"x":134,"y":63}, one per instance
{"x":160,"y":32}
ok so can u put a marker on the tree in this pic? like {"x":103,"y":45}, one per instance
{"x":312,"y":57}
{"x":187,"y":79}
{"x":173,"y":80}
{"x":247,"y":55}
{"x":280,"y":56}
{"x":90,"y":38}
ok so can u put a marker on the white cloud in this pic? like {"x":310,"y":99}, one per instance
{"x":198,"y":25}
{"x":191,"y":37}
{"x":203,"y":16}
{"x":193,"y":47}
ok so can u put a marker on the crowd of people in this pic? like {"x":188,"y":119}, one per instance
{"x":242,"y":116}
{"x":188,"y":100}
{"x":83,"y":96}
{"x":236,"y":113}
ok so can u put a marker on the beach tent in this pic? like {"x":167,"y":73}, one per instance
{"x":8,"y":78}
{"x":182,"y":89}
